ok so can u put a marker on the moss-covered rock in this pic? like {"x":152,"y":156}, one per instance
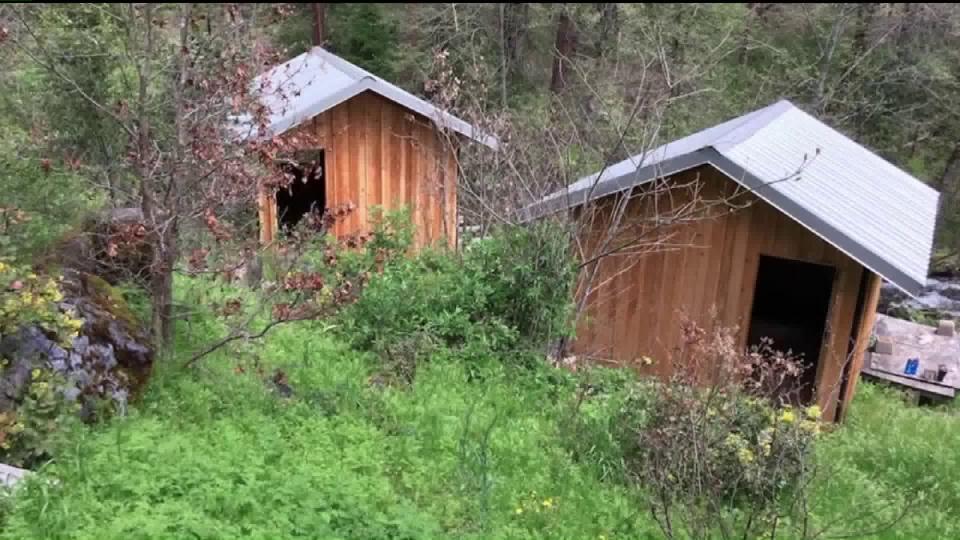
{"x":107,"y":362}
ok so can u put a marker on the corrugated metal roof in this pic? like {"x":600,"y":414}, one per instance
{"x":317,"y":80}
{"x":868,"y":208}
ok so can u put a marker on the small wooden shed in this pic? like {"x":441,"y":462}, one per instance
{"x":362,"y":142}
{"x":811,"y":222}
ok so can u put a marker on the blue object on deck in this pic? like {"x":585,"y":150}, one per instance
{"x":912,"y":366}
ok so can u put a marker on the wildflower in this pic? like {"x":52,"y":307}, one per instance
{"x":813,"y":412}
{"x":766,"y":441}
{"x":787,"y":416}
{"x":518,"y":511}
{"x":548,"y":503}
{"x":735,"y":441}
{"x":745,"y":456}
{"x":810,"y":426}
{"x":35,"y":373}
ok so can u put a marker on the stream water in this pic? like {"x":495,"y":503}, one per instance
{"x":940,"y":295}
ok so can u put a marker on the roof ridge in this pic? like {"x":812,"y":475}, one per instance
{"x":753,"y":123}
{"x":342,"y":64}
{"x":870,"y":149}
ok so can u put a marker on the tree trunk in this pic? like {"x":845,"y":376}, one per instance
{"x":608,"y":29}
{"x":514,"y":25}
{"x":949,"y":186}
{"x":161,"y":292}
{"x":319,"y":24}
{"x":503,"y":56}
{"x":564,"y":48}
{"x":949,"y":181}
{"x":748,"y":23}
{"x":864,"y":21}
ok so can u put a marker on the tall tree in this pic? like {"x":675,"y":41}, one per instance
{"x":182,"y":85}
{"x":565,"y":46}
{"x":319,"y":24}
{"x":514,"y":22}
{"x":608,"y":29}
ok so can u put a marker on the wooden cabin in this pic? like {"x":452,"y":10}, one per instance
{"x":772,"y":223}
{"x":364,"y":143}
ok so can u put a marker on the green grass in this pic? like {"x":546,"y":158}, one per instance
{"x":893,"y":461}
{"x":215,"y":452}
{"x":218,"y":454}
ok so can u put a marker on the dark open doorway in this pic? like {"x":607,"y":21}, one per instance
{"x":790,"y":306}
{"x":307,"y":191}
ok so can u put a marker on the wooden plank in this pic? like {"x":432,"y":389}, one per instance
{"x":867,"y":320}
{"x":623,"y":292}
{"x":437,"y":199}
{"x":374,"y":153}
{"x":413,"y":180}
{"x":646,"y":325}
{"x":358,"y":162}
{"x":928,"y":388}
{"x":734,"y":276}
{"x":450,"y":211}
{"x":341,"y":166}
{"x":263,"y":210}
{"x":830,"y":364}
{"x":709,"y":302}
{"x":325,"y":140}
{"x":388,"y":157}
{"x":426,"y":182}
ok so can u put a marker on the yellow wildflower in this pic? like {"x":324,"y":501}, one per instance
{"x":745,"y":455}
{"x":810,"y":426}
{"x":518,"y":510}
{"x":813,"y":412}
{"x":787,"y":416}
{"x":35,"y":373}
{"x":548,"y":503}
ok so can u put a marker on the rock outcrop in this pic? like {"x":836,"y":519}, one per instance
{"x":109,"y":359}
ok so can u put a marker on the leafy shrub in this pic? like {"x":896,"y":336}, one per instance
{"x":606,"y":404}
{"x":42,"y":199}
{"x":715,"y":450}
{"x":28,"y":298}
{"x":216,"y":452}
{"x":506,"y":292}
{"x":526,"y":274}
{"x":31,"y":432}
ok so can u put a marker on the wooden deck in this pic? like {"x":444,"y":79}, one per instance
{"x":913,"y":340}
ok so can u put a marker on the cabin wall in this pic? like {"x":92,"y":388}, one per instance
{"x":704,"y":269}
{"x":381,"y":154}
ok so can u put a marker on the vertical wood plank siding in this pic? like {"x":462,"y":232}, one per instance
{"x":706,"y":270}
{"x":379,"y":154}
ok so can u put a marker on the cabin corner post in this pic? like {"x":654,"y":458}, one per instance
{"x":266,"y":205}
{"x":861,"y":335}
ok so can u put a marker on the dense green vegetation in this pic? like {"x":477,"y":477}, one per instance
{"x":396,"y":396}
{"x":475,"y":445}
